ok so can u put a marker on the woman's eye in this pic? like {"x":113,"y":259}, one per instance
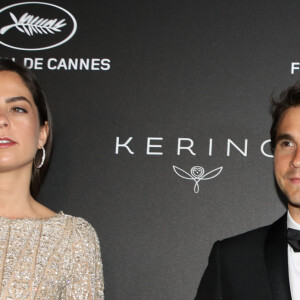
{"x":19,"y":110}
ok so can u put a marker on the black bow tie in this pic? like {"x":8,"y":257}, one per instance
{"x":293,"y":238}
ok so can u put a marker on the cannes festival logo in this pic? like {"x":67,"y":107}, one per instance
{"x":30,"y":24}
{"x":35,"y":26}
{"x":197,"y":174}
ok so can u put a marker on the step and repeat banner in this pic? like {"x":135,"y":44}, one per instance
{"x":162,"y":118}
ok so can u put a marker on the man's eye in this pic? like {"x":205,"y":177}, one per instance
{"x":286,"y":144}
{"x":19,"y":110}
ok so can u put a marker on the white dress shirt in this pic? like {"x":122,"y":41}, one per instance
{"x":294,"y":263}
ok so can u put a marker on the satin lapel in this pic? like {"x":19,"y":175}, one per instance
{"x":277,"y":260}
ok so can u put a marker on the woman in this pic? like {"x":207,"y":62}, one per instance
{"x":43,"y":255}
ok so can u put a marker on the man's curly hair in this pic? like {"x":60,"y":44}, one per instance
{"x":288,"y":98}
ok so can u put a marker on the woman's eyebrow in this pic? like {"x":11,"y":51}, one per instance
{"x":17,"y":98}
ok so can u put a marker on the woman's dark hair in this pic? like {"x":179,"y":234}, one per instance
{"x":29,"y":79}
{"x":288,"y":98}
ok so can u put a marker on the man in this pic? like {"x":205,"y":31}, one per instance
{"x":264,"y":264}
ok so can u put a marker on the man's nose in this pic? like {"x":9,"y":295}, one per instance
{"x":295,"y":162}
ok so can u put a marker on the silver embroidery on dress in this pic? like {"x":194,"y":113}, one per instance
{"x":57,"y":258}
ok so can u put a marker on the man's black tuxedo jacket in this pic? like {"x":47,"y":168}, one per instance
{"x":250,"y":266}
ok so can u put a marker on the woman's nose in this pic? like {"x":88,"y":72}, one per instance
{"x":4,"y":121}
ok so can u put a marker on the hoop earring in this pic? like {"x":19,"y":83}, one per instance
{"x":43,"y":159}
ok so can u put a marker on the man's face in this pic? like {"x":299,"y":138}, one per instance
{"x":287,"y":155}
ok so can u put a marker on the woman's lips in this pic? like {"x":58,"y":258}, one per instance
{"x":6,"y":142}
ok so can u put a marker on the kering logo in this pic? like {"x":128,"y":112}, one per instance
{"x":197,"y":174}
{"x":39,"y":25}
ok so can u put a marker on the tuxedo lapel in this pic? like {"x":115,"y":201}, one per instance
{"x":277,"y":260}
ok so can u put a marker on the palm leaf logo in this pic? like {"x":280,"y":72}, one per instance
{"x":197,"y":174}
{"x":31,"y":25}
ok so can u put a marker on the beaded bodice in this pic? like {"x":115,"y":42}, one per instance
{"x":53,"y":258}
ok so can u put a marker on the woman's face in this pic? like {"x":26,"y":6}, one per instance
{"x":20,"y":132}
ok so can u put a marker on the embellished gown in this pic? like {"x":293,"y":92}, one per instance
{"x":53,"y":258}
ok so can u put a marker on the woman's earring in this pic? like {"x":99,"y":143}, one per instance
{"x":42,"y":161}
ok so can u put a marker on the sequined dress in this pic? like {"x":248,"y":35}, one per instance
{"x":54,"y":258}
